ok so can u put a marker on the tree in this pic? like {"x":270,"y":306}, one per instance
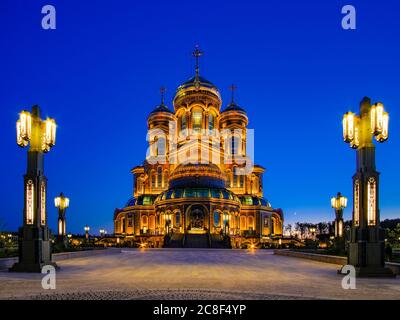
{"x":322,"y":228}
{"x":393,"y":234}
{"x":288,"y":229}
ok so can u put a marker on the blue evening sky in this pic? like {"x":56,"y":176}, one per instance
{"x":98,"y":74}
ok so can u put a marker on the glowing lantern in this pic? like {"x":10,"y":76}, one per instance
{"x":20,"y":141}
{"x":349,"y":123}
{"x":379,"y":122}
{"x":339,"y":202}
{"x":61,"y":202}
{"x":378,"y":118}
{"x":24,"y":128}
{"x":26,"y":125}
{"x":384,"y":135}
{"x":49,"y":134}
{"x":343,"y":202}
{"x":355,"y":143}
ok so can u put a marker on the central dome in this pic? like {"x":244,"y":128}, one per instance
{"x":197,"y":82}
{"x":197,"y":181}
{"x":197,"y":175}
{"x":197,"y":86}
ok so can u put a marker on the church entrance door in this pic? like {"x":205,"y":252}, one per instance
{"x":197,"y":219}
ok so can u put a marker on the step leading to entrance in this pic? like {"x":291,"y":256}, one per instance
{"x":194,"y":240}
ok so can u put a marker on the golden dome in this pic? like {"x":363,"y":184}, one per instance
{"x":197,"y":86}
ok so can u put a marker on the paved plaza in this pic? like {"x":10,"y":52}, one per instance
{"x":194,"y":274}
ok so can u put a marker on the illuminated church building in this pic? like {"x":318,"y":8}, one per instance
{"x":197,"y":186}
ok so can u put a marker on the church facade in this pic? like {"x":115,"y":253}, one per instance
{"x":198,"y":187}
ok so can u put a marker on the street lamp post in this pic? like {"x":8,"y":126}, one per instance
{"x":62,"y":203}
{"x":87,"y":229}
{"x":69,"y":237}
{"x":34,"y":235}
{"x":339,"y":203}
{"x":366,"y":246}
{"x":102,"y":232}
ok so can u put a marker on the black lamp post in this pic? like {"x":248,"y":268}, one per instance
{"x":62,"y":203}
{"x":87,"y":229}
{"x":338,"y":203}
{"x":366,"y":247}
{"x":34,"y":235}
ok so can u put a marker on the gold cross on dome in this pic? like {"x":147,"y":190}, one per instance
{"x":232,"y":88}
{"x":163,"y":90}
{"x":197,"y":53}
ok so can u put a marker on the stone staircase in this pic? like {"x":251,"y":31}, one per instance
{"x":176,"y":241}
{"x":196,"y":241}
{"x":219,"y":242}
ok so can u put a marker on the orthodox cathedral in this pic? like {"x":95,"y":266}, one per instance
{"x":198,"y":187}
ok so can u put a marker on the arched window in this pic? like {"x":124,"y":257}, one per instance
{"x":235,"y":145}
{"x":235,"y":177}
{"x":152,"y":222}
{"x":153,"y":179}
{"x":177,"y":218}
{"x":228,"y":179}
{"x":211,"y":121}
{"x":242,"y":223}
{"x":159,"y":177}
{"x":250,"y":223}
{"x":216,"y":219}
{"x":273,"y":224}
{"x":161,"y":147}
{"x":183,"y":123}
{"x":144,"y":225}
{"x":158,"y":219}
{"x":241,"y":178}
{"x":255,"y":184}
{"x":166,"y":178}
{"x":197,"y":114}
{"x":155,"y":146}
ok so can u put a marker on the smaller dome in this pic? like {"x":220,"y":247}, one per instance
{"x":233,"y":107}
{"x":161,"y":108}
{"x":131,"y":202}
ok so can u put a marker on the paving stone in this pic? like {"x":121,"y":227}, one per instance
{"x":194,"y":274}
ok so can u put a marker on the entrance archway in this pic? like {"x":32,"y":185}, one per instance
{"x":197,"y":218}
